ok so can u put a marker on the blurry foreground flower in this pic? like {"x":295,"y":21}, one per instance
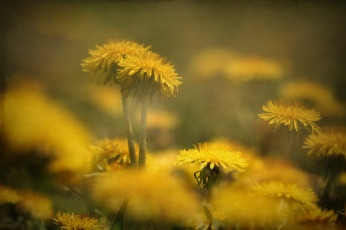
{"x":317,"y":216}
{"x":152,"y":196}
{"x":103,"y":63}
{"x":147,"y":74}
{"x":292,"y":115}
{"x":9,"y":195}
{"x":330,"y":141}
{"x":294,"y":195}
{"x":320,"y":95}
{"x":35,"y":122}
{"x":70,"y":221}
{"x":210,"y":157}
{"x":39,"y":206}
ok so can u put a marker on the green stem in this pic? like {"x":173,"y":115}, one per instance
{"x":143,"y":134}
{"x":119,"y":222}
{"x":129,"y":132}
{"x":325,"y":196}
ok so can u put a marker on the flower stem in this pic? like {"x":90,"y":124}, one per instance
{"x":326,"y":192}
{"x":129,"y":132}
{"x":119,"y":222}
{"x":143,"y":134}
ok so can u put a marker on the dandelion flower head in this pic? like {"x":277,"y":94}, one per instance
{"x":147,"y":74}
{"x":290,"y":192}
{"x":317,"y":215}
{"x":9,"y":195}
{"x":211,"y":155}
{"x":103,"y":62}
{"x":330,"y":141}
{"x":39,"y":206}
{"x":292,"y":115}
{"x":70,"y":221}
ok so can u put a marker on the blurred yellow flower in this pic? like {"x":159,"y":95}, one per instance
{"x":9,"y":195}
{"x":292,"y":193}
{"x":211,"y":155}
{"x":318,"y":216}
{"x":103,"y":63}
{"x":70,"y":221}
{"x":330,"y":141}
{"x":146,"y":74}
{"x":238,"y":206}
{"x":152,"y":195}
{"x":314,"y":92}
{"x":161,"y":120}
{"x":246,"y":69}
{"x":106,"y":98}
{"x":290,"y":114}
{"x":39,"y":206}
{"x":109,"y":151}
{"x":35,"y":122}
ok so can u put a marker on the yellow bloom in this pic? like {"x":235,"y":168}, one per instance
{"x":109,"y":151}
{"x":161,"y":120}
{"x":147,"y":74}
{"x":317,"y":215}
{"x":330,"y":141}
{"x":38,"y":206}
{"x":290,"y":115}
{"x":152,"y":195}
{"x":211,"y":155}
{"x":8,"y":195}
{"x":35,"y":122}
{"x":314,"y":92}
{"x":104,"y":59}
{"x":246,"y":69}
{"x":290,"y":192}
{"x":70,"y":221}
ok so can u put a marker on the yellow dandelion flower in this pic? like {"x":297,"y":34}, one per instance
{"x":290,"y":192}
{"x":316,"y":93}
{"x":290,"y":115}
{"x":32,"y":121}
{"x":330,"y":141}
{"x":317,"y":215}
{"x":109,"y":151}
{"x":9,"y":195}
{"x":246,"y":69}
{"x":211,"y":155}
{"x":39,"y":206}
{"x":238,"y":206}
{"x":106,"y":98}
{"x":161,"y":120}
{"x":104,"y":59}
{"x":147,"y":74}
{"x":70,"y":221}
{"x":147,"y":192}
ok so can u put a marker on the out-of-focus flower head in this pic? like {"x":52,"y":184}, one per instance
{"x":294,"y":195}
{"x":70,"y":221}
{"x":211,"y":62}
{"x":238,"y":206}
{"x":317,"y":216}
{"x":292,"y":115}
{"x":147,"y":74}
{"x":247,"y":69}
{"x":316,"y":93}
{"x":32,"y":121}
{"x":9,"y":195}
{"x":39,"y":206}
{"x":152,"y":196}
{"x":103,"y":63}
{"x":106,"y":98}
{"x":112,"y":151}
{"x":161,"y":120}
{"x":331,"y":141}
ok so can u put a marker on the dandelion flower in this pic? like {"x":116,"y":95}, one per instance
{"x":211,"y":155}
{"x":147,"y":74}
{"x":39,"y":206}
{"x":291,"y":115}
{"x":317,"y":215}
{"x":9,"y":195}
{"x":70,"y":221}
{"x":103,"y":63}
{"x":330,"y":141}
{"x":290,"y":192}
{"x":147,"y":192}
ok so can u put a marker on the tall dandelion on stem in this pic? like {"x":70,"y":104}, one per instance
{"x":144,"y":76}
{"x":102,"y":65}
